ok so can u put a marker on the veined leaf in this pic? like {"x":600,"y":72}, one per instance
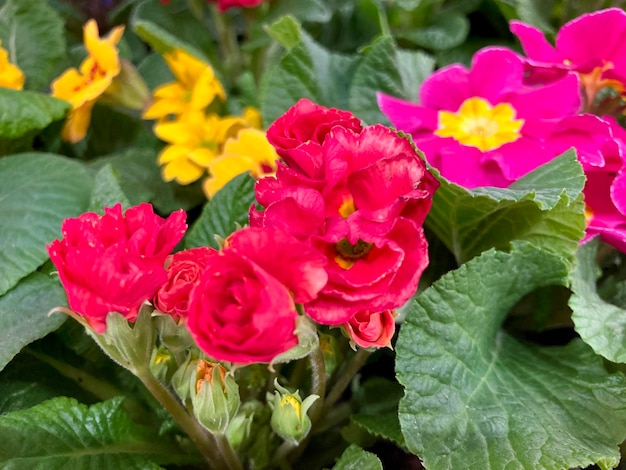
{"x":223,"y":213}
{"x":475,"y":397}
{"x":23,"y":314}
{"x":33,"y":34}
{"x":37,"y":191}
{"x":307,"y":71}
{"x":25,"y":111}
{"x":166,"y":28}
{"x":600,"y":324}
{"x":107,"y":190}
{"x":545,"y":207}
{"x":62,"y":433}
{"x":390,"y":70}
{"x":355,"y":458}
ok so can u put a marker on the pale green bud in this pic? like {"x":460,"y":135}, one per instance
{"x":289,"y":414}
{"x":215,"y":399}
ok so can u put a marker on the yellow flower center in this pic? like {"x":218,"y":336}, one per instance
{"x":478,"y":124}
{"x":291,"y":401}
{"x":347,"y":207}
{"x":348,"y":254}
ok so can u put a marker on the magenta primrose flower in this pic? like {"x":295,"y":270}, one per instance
{"x":484,"y":126}
{"x":592,"y":45}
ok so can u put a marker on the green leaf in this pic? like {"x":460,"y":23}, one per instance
{"x":25,"y":111}
{"x":444,"y":31}
{"x":475,"y":397}
{"x":315,"y":11}
{"x":221,"y":216}
{"x":390,"y":70}
{"x":62,"y":433}
{"x":33,"y":34}
{"x":355,"y":458}
{"x":545,"y":207}
{"x":141,"y":181}
{"x":24,"y":314}
{"x":286,"y":31}
{"x":600,"y":324}
{"x":166,"y":28}
{"x":37,"y":191}
{"x":307,"y":71}
{"x":377,"y":409}
{"x":534,"y":12}
{"x":107,"y":190}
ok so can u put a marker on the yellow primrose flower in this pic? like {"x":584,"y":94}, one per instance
{"x":11,"y":76}
{"x":195,"y":141}
{"x":82,"y":87}
{"x":249,"y":151}
{"x":195,"y":89}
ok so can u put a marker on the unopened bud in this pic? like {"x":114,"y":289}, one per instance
{"x":214,"y":396}
{"x":289,"y":414}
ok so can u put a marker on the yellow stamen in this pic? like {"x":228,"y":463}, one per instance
{"x":478,"y":124}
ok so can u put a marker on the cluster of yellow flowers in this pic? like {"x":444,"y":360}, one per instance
{"x":200,"y":142}
{"x":199,"y":139}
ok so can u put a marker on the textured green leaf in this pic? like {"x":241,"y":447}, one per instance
{"x":223,"y":213}
{"x":140,"y":179}
{"x":600,"y":324}
{"x":385,"y":425}
{"x":315,"y":11}
{"x":107,"y":190}
{"x":23,"y":314}
{"x":444,"y":31}
{"x":390,"y":70}
{"x":286,"y":31}
{"x":355,"y":458}
{"x":168,"y":28}
{"x":535,"y":12}
{"x":475,"y":397}
{"x":37,"y":191}
{"x":62,"y":433}
{"x":545,"y":207}
{"x":307,"y":71}
{"x":25,"y":111}
{"x":33,"y":34}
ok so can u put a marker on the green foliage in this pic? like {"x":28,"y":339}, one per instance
{"x":355,"y":458}
{"x":540,"y":207}
{"x":33,"y":34}
{"x":27,"y":111}
{"x":600,"y":324}
{"x":37,"y":191}
{"x":107,"y":190}
{"x":223,"y":214}
{"x":475,"y":397}
{"x":62,"y":433}
{"x":24,"y":314}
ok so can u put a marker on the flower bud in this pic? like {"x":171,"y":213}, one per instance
{"x":215,"y":398}
{"x":289,"y":414}
{"x":160,"y":363}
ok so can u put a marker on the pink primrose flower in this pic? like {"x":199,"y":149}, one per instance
{"x":114,"y":262}
{"x":362,"y":207}
{"x":224,"y":5}
{"x":484,"y":126}
{"x":591,"y":45}
{"x":242,"y":309}
{"x":183,"y":271}
{"x":371,"y":329}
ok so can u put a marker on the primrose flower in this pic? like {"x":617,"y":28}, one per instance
{"x":485,"y":126}
{"x":591,"y":45}
{"x":82,"y":87}
{"x":249,"y":151}
{"x":360,"y":199}
{"x":11,"y":76}
{"x":195,"y":140}
{"x":224,"y":5}
{"x":195,"y":89}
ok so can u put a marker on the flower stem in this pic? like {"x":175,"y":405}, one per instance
{"x":206,"y":443}
{"x":345,"y":377}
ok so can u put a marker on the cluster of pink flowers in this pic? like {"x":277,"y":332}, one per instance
{"x":507,"y":114}
{"x":340,"y":234}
